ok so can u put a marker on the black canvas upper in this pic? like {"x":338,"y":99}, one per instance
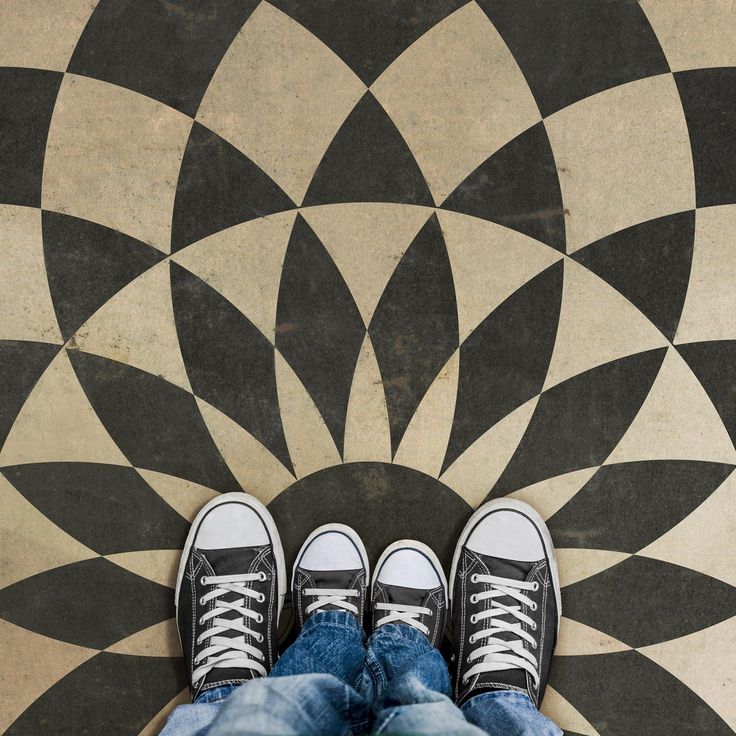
{"x":327,"y":579}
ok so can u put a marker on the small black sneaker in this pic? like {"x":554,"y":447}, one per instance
{"x":505,"y":602}
{"x":330,"y":573}
{"x":409,"y":587}
{"x":229,"y":593}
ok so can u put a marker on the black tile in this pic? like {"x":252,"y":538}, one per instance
{"x":625,"y":693}
{"x":93,"y":603}
{"x":368,"y":161}
{"x":649,"y":264}
{"x":368,"y":36}
{"x":578,"y":422}
{"x":87,"y":264}
{"x":504,"y":361}
{"x":709,"y":101}
{"x":517,"y":187}
{"x":414,"y":329}
{"x":642,"y":601}
{"x":382,"y":502}
{"x":646,"y":499}
{"x":108,"y":508}
{"x":319,"y":329}
{"x":569,"y":49}
{"x":27,"y":98}
{"x":111,"y":694}
{"x":21,"y":365}
{"x":166,"y":49}
{"x":219,"y":187}
{"x":229,"y":361}
{"x":714,"y":363}
{"x":156,"y":424}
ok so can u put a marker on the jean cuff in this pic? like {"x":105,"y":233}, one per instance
{"x":216,"y":694}
{"x":482,"y":698}
{"x":334,"y":618}
{"x":405,"y":631}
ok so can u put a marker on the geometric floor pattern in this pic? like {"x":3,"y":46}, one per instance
{"x":371,"y":264}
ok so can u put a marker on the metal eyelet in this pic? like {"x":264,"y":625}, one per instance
{"x":260,"y":638}
{"x":534,"y":645}
{"x":473,"y":578}
{"x":259,"y":619}
{"x":474,"y":598}
{"x":262,"y":576}
{"x":534,"y":627}
{"x":201,"y":601}
{"x":261,"y":598}
{"x":471,"y":639}
{"x":536,"y":586}
{"x":533,"y":606}
{"x":201,"y":581}
{"x":473,"y":619}
{"x":201,"y":623}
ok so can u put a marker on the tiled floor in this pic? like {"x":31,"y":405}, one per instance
{"x":372,"y":262}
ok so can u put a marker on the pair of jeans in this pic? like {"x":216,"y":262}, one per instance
{"x":330,"y":682}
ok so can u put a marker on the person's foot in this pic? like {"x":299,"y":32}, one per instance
{"x":229,"y":593}
{"x":505,"y":602}
{"x":409,"y":587}
{"x":330,"y":574}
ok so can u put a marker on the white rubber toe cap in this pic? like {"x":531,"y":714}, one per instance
{"x":409,"y":568}
{"x":332,"y":549}
{"x":509,"y":535}
{"x":231,"y":524}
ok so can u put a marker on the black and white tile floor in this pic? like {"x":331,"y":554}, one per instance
{"x":373,"y":263}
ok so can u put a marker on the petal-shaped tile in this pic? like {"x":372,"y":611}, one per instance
{"x":26,"y":310}
{"x":414,"y":328}
{"x":318,"y":327}
{"x":638,"y":697}
{"x":517,"y":186}
{"x":578,"y":422}
{"x":135,"y":689}
{"x":646,"y":499}
{"x":158,"y":565}
{"x":184,"y":496}
{"x":575,"y":564}
{"x":368,"y":161}
{"x":87,"y":264}
{"x":106,"y":507}
{"x":219,"y":187}
{"x":355,"y":38}
{"x":159,"y":640}
{"x":576,"y":639}
{"x":642,"y":601}
{"x":156,"y":424}
{"x":555,"y":707}
{"x":62,"y":602}
{"x":714,"y":364}
{"x":229,"y":361}
{"x":504,"y":361}
{"x":22,"y":364}
{"x":649,"y":264}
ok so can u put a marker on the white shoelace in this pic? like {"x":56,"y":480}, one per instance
{"x":404,"y":614}
{"x":500,"y":654}
{"x":331,"y":597}
{"x":226,"y":651}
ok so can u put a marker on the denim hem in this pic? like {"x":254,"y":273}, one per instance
{"x":344,"y":619}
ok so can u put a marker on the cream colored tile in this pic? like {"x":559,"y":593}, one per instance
{"x":42,"y":33}
{"x":548,"y":496}
{"x":476,"y":471}
{"x":159,"y":565}
{"x":577,"y":639}
{"x":23,"y":525}
{"x":676,"y":421}
{"x":33,"y":663}
{"x":576,"y":564}
{"x":489,"y":263}
{"x":57,"y":423}
{"x":704,"y":661}
{"x":184,"y":496}
{"x":367,"y":431}
{"x":244,"y":264}
{"x":156,"y":724}
{"x":703,"y":540}
{"x":159,"y":640}
{"x":280,"y":95}
{"x":456,"y":95}
{"x":26,"y":309}
{"x":624,"y":158}
{"x":597,"y":324}
{"x":694,"y":34}
{"x":424,"y":443}
{"x":113,"y":157}
{"x":366,"y":240}
{"x":258,"y":471}
{"x":137,"y":327}
{"x":310,"y":443}
{"x":709,"y":312}
{"x":554,"y":706}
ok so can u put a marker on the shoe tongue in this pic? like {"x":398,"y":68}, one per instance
{"x":404,"y":596}
{"x":334,"y":580}
{"x":513,"y":570}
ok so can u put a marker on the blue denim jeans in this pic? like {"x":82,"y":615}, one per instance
{"x":330,"y":682}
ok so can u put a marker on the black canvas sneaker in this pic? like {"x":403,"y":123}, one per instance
{"x":330,"y":573}
{"x":505,"y":602}
{"x":409,"y":587}
{"x":229,"y":593}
